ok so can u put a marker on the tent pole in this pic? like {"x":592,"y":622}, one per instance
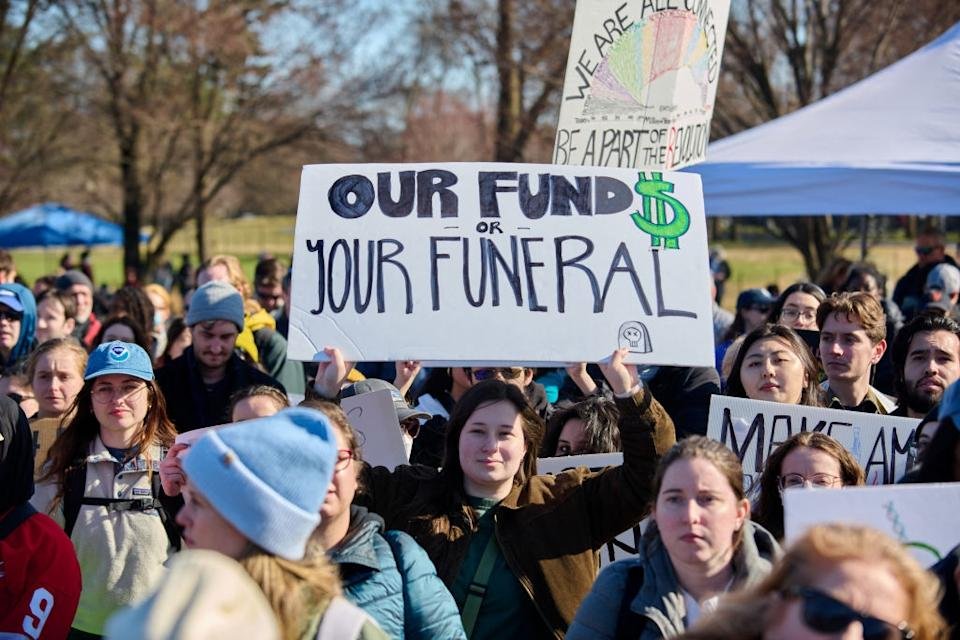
{"x":864,"y":226}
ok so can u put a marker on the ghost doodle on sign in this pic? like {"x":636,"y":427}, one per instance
{"x":634,"y":336}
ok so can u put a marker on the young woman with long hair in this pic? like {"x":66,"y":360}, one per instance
{"x":487,"y":517}
{"x":101,"y":483}
{"x":775,"y":365}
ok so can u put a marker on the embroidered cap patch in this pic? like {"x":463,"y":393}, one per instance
{"x":118,"y":353}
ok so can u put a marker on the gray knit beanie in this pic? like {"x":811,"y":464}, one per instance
{"x":216,"y":300}
{"x":71,"y":278}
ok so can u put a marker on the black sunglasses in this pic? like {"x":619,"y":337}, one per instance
{"x":826,"y":614}
{"x":487,"y":373}
{"x":10,"y":316}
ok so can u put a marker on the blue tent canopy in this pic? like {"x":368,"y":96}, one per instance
{"x":56,"y":225}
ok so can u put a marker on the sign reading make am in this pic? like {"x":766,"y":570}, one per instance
{"x":753,"y":429}
{"x":641,"y":81}
{"x":500,"y":263}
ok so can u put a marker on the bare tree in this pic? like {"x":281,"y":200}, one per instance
{"x":34,"y":103}
{"x":193,"y":92}
{"x":517,"y":48}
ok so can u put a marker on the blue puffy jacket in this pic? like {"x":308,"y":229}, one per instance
{"x":388,"y":575}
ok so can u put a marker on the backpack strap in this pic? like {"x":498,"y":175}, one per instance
{"x":630,"y":623}
{"x":169,"y":525}
{"x":75,"y":481}
{"x":74,"y":486}
{"x":477,"y":588}
{"x":15,"y":518}
{"x":341,"y":621}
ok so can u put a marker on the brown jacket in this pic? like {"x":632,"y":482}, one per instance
{"x":550,"y":528}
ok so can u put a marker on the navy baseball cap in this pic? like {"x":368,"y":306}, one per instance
{"x":122,"y":358}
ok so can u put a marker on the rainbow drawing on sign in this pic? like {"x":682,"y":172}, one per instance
{"x":668,"y":42}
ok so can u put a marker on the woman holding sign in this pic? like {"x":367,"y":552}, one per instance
{"x":518,"y":550}
{"x":775,"y":365}
{"x":700,"y":545}
{"x":101,"y":483}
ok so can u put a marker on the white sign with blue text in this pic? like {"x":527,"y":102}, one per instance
{"x":500,"y":263}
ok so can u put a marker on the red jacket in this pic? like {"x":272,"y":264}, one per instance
{"x":39,"y":580}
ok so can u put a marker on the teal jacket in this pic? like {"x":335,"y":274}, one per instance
{"x":388,"y":575}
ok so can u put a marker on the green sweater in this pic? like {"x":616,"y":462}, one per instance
{"x":505,"y":611}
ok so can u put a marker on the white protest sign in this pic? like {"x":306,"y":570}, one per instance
{"x":641,"y":82}
{"x":500,"y":263}
{"x":924,"y":517}
{"x":625,"y":545}
{"x":190,"y":438}
{"x":754,"y":428}
{"x":374,"y":416}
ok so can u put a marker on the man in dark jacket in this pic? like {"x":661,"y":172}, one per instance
{"x":931,"y":251}
{"x":197,"y":386}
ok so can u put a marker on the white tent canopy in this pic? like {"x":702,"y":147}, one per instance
{"x":889,"y":144}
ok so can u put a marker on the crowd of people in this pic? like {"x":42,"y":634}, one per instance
{"x":155,"y":481}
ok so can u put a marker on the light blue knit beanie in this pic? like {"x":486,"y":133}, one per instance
{"x":268,"y":477}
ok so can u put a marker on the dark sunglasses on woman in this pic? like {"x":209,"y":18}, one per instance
{"x":487,"y":373}
{"x":825,"y":614}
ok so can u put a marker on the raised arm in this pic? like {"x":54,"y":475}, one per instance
{"x":617,"y":498}
{"x":331,"y":374}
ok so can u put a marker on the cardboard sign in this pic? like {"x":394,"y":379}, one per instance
{"x":924,"y":517}
{"x":374,"y":416}
{"x":754,"y":428}
{"x":45,"y":432}
{"x":625,"y":545}
{"x":500,"y":264}
{"x":640,"y":84}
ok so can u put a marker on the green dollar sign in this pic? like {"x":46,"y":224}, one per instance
{"x":657,"y":190}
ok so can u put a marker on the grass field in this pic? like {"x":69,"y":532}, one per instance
{"x":758,"y":265}
{"x":752,"y":265}
{"x":246,"y":238}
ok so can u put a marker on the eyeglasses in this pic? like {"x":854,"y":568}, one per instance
{"x":344,"y":456}
{"x":488,"y":373}
{"x":411,"y":426}
{"x":106,"y":394}
{"x":10,"y":316}
{"x":925,"y":251}
{"x":795,"y":480}
{"x":825,"y":614}
{"x":792,"y":314}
